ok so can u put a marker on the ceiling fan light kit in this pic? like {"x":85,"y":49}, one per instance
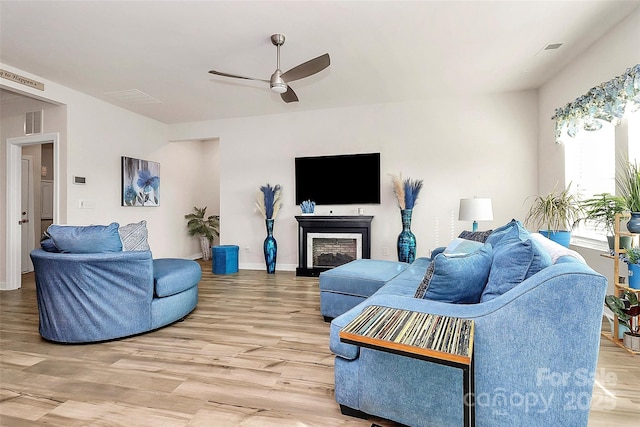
{"x":279,"y":80}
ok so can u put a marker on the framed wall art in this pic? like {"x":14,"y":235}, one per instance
{"x":140,"y":182}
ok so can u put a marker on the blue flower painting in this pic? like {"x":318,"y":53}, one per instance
{"x":140,"y":182}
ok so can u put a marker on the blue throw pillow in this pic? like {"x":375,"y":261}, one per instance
{"x":511,"y":263}
{"x":541,"y":259}
{"x":509,"y":230}
{"x":459,"y":279}
{"x":86,"y":239}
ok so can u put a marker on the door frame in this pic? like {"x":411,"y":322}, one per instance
{"x":25,"y":261}
{"x":14,"y":182}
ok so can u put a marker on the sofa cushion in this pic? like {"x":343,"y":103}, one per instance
{"x":134,"y":236}
{"x":361,"y":277}
{"x":553,"y":249}
{"x":514,"y":260}
{"x":457,"y":279}
{"x":174,"y":275}
{"x":86,"y":239}
{"x":509,"y":230}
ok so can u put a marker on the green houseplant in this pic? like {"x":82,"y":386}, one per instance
{"x":627,"y":309}
{"x":207,"y":228}
{"x":601,"y":210}
{"x":555,"y":214}
{"x":628,"y":186}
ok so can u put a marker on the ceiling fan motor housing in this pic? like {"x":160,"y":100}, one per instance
{"x":277,"y":84}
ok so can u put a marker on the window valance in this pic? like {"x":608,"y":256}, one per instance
{"x":605,"y":102}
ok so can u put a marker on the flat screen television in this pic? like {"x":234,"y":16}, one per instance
{"x":346,"y":179}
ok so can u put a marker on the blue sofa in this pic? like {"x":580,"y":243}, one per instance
{"x":89,"y":289}
{"x":535,"y":350}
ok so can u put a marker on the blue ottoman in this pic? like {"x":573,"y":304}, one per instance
{"x":225,"y":259}
{"x":346,"y":286}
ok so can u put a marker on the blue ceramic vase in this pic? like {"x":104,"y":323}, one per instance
{"x":270,"y":248}
{"x":406,"y":239}
{"x":633,"y":226}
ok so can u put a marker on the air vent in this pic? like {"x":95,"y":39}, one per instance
{"x":553,"y":46}
{"x":33,"y":122}
{"x":133,"y":97}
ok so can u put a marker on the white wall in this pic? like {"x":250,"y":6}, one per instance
{"x":607,"y":58}
{"x":97,"y":134}
{"x":461,"y":147}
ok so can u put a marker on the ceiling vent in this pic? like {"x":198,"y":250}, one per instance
{"x":133,"y":97}
{"x":33,"y":122}
{"x":553,"y":46}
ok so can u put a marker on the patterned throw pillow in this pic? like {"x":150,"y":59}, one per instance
{"x":458,"y":279}
{"x":422,"y":289}
{"x":134,"y":236}
{"x":476,"y":236}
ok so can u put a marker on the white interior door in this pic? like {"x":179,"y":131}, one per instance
{"x":26,"y":214}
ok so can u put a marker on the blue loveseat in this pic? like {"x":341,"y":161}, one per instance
{"x":535,"y":350}
{"x":89,"y":289}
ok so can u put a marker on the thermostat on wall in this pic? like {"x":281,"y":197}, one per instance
{"x":79,"y":180}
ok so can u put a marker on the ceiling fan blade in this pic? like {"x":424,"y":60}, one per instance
{"x":235,"y":76}
{"x":307,"y":69}
{"x":289,"y":95}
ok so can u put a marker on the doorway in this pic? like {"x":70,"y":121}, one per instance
{"x":14,"y":201}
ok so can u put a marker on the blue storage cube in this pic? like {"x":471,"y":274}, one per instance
{"x":225,"y":259}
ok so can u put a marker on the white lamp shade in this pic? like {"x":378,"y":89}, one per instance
{"x":475,"y":210}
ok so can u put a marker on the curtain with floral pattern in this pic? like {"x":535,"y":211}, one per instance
{"x":605,"y":102}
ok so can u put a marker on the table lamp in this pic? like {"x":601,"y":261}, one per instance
{"x":475,"y":210}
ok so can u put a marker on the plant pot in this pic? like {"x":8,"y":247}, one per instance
{"x":633,"y":226}
{"x":560,"y":237}
{"x":205,"y":247}
{"x":631,"y":341}
{"x":634,"y":276}
{"x":623,"y":241}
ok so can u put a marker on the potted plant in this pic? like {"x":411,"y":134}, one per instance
{"x":207,"y":228}
{"x":632,"y":258}
{"x":601,"y":210}
{"x":557,"y":212}
{"x":627,"y":309}
{"x":628,"y":185}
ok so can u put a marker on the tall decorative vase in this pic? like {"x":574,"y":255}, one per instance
{"x":633,"y":226}
{"x":406,"y":239}
{"x":270,"y":248}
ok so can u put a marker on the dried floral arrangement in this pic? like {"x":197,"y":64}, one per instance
{"x":406,"y":191}
{"x":268,"y":200}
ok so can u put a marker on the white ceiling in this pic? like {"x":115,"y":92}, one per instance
{"x":381,"y":51}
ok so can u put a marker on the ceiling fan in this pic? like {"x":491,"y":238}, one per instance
{"x":279,"y":81}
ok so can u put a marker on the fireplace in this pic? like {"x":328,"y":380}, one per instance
{"x":325,"y":242}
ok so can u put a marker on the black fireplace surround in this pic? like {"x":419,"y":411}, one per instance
{"x":353,"y":224}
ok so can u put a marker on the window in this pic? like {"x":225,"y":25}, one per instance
{"x":591,"y":159}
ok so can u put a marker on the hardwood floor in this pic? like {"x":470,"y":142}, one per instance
{"x":253,"y":353}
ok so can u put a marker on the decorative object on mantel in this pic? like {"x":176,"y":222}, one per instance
{"x":140,"y":182}
{"x":307,"y":207}
{"x":268,"y":203}
{"x":475,"y":210}
{"x":206,"y":229}
{"x":406,"y":192}
{"x":605,"y":102}
{"x":628,"y":185}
